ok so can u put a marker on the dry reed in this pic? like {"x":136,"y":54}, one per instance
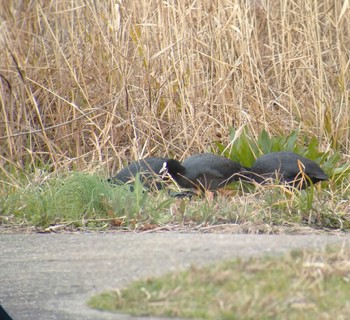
{"x":95,"y":83}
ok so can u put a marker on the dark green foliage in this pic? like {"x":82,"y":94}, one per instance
{"x":245,"y":149}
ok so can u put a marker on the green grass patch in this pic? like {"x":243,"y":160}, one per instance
{"x":81,"y":200}
{"x":299,"y":285}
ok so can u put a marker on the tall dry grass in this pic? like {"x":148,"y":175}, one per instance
{"x":98,"y":82}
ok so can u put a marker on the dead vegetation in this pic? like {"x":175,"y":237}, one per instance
{"x":86,"y":84}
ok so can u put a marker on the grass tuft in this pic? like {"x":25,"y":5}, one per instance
{"x":81,"y":200}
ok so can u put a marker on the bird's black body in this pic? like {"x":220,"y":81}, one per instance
{"x":287,"y":167}
{"x":206,"y":171}
{"x":149,"y":170}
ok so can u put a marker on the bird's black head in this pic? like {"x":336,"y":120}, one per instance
{"x":174,"y":167}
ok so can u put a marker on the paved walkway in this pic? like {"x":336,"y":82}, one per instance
{"x":51,"y":276}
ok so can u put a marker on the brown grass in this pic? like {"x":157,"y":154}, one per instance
{"x":85,"y":83}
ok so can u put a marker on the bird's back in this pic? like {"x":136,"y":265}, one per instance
{"x":287,"y":166}
{"x":211,"y":171}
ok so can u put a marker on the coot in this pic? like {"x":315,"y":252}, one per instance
{"x":205,"y":171}
{"x":287,"y":167}
{"x":149,"y":170}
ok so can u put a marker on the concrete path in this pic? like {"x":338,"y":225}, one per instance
{"x":51,"y":276}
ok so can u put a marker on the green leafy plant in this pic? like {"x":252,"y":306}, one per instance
{"x":245,"y":149}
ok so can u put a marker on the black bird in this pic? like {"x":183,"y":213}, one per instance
{"x":204,"y":171}
{"x":287,"y":167}
{"x":149,"y":170}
